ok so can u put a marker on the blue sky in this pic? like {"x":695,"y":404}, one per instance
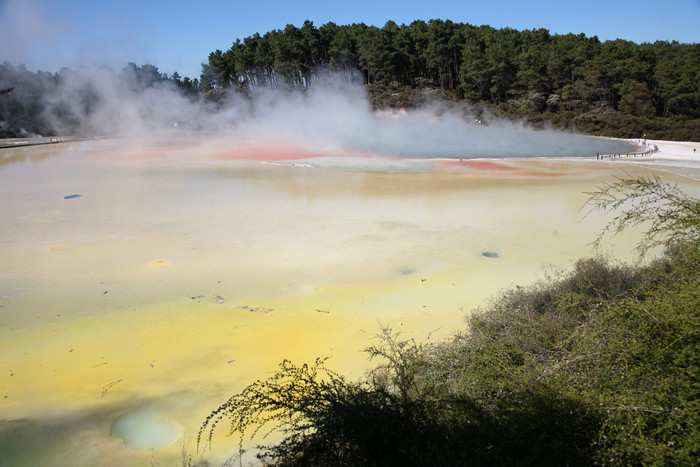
{"x":178,"y":35}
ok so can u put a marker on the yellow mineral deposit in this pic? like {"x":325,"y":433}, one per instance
{"x":179,"y":276}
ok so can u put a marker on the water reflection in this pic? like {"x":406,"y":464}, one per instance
{"x":26,"y":154}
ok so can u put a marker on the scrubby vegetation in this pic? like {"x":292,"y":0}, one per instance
{"x":595,"y":366}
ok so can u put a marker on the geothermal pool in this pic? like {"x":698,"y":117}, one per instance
{"x":141,"y":286}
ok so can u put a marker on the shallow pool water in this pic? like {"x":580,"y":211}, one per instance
{"x":145,"y":429}
{"x":181,"y":274}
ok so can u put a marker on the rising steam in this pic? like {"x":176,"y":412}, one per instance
{"x":330,"y":117}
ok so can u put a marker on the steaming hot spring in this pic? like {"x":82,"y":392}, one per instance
{"x":185,"y":270}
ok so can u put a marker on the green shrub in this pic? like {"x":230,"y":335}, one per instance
{"x":595,"y":366}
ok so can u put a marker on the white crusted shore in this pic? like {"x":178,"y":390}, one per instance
{"x":678,"y":157}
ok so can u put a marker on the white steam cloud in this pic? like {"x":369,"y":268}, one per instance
{"x":331,"y":117}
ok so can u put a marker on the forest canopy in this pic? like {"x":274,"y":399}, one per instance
{"x":612,"y":88}
{"x":572,"y":80}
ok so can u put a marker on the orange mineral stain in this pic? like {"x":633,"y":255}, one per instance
{"x":476,"y":164}
{"x":265,"y":153}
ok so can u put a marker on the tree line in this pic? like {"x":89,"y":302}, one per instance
{"x":571,"y":80}
{"x":45,"y":103}
{"x":478,"y":63}
{"x":613,"y":88}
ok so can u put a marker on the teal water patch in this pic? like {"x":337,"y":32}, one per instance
{"x":145,"y":429}
{"x":72,"y":196}
{"x":491,"y":254}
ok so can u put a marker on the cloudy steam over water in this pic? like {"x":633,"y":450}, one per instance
{"x":331,"y":117}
